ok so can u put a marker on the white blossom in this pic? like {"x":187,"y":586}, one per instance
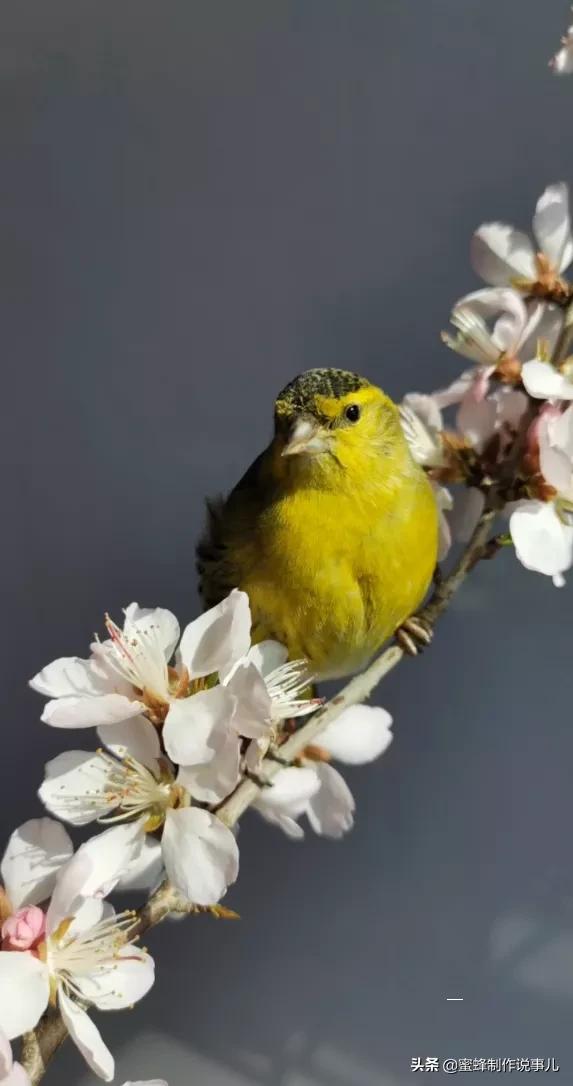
{"x":562,"y":62}
{"x":134,"y":782}
{"x":500,"y":254}
{"x":544,"y":381}
{"x":315,"y":788}
{"x":87,"y":956}
{"x":542,"y":531}
{"x":128,"y":674}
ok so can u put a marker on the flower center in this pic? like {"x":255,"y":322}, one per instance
{"x":71,"y":955}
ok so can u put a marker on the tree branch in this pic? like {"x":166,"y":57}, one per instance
{"x":39,"y":1046}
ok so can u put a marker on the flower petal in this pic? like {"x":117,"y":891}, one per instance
{"x":360,"y":734}
{"x":122,"y":983}
{"x":552,"y":225}
{"x":95,"y":869}
{"x":288,"y":797}
{"x":544,"y":382}
{"x":148,"y":1082}
{"x":146,"y":870}
{"x":74,"y":788}
{"x":90,"y":712}
{"x":5,"y":1055}
{"x":200,"y":854}
{"x":331,"y":810}
{"x":218,"y":638}
{"x":468,"y":508}
{"x":17,"y":1077}
{"x":267,"y":656}
{"x":499,"y":254}
{"x":24,"y":991}
{"x":542,"y":542}
{"x":253,"y":706}
{"x":136,"y":737}
{"x":212,"y":783}
{"x":476,"y":420}
{"x":34,"y":855}
{"x":196,"y":727}
{"x":163,"y":622}
{"x":87,"y":1037}
{"x":66,"y":677}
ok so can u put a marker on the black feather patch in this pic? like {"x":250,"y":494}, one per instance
{"x":299,"y":394}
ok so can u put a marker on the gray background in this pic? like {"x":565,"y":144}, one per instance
{"x":198,"y":201}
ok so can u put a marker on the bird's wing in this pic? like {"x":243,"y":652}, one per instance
{"x":224,"y":550}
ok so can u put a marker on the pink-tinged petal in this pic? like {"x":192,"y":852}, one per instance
{"x":543,"y":543}
{"x":426,"y":408}
{"x":90,"y":712}
{"x":162,"y":622}
{"x":24,"y":930}
{"x":135,"y":737}
{"x":512,"y":404}
{"x":456,"y":392}
{"x":444,"y":502}
{"x":359,"y":735}
{"x":67,"y":677}
{"x":34,"y":855}
{"x":253,"y":706}
{"x":200,"y":854}
{"x":95,"y":869}
{"x":476,"y":420}
{"x":196,"y":727}
{"x":218,"y":638}
{"x":122,"y":984}
{"x":287,"y":798}
{"x":212,"y":783}
{"x":17,"y":1077}
{"x":146,"y":870}
{"x":499,"y":254}
{"x":24,"y":991}
{"x":87,"y":1037}
{"x":331,"y":810}
{"x":468,"y":508}
{"x":552,"y":225}
{"x":75,"y":787}
{"x":544,"y":382}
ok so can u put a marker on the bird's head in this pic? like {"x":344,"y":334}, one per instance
{"x":329,"y":422}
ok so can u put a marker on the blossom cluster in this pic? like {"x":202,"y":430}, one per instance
{"x":181,"y":718}
{"x":510,"y":439}
{"x":562,"y":62}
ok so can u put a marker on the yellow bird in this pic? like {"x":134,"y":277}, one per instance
{"x":332,"y":531}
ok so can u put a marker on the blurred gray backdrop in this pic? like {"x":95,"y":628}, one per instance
{"x":198,"y":201}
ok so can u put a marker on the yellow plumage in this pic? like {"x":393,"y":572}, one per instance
{"x":332,"y":532}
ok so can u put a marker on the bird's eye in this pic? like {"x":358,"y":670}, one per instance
{"x":352,"y":412}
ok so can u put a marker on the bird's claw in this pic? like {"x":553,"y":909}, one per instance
{"x":414,"y":635}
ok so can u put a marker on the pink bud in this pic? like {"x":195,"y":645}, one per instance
{"x":24,"y":929}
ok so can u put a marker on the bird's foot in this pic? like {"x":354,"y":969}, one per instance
{"x":414,"y":635}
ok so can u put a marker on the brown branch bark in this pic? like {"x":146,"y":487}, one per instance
{"x":41,"y":1044}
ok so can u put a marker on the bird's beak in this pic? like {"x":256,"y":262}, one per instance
{"x":306,"y":437}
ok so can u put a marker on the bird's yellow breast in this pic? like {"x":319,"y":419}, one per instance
{"x":332,"y":574}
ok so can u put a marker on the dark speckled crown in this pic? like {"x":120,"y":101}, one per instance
{"x":299,"y":394}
